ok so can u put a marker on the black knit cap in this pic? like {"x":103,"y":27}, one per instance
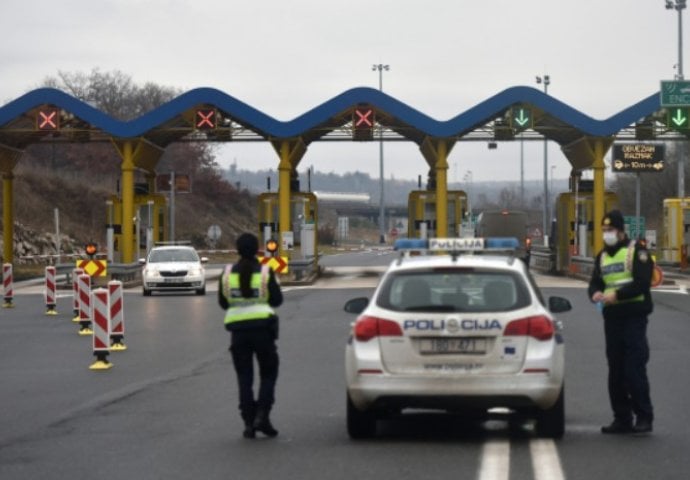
{"x":614,"y":219}
{"x":247,"y":245}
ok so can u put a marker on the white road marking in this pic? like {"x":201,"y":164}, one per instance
{"x":545,"y":461}
{"x":495,"y":461}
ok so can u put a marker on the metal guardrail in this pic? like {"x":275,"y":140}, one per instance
{"x":124,"y":272}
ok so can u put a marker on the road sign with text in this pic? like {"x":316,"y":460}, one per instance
{"x":675,"y":93}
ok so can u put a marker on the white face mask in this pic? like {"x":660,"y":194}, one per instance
{"x":610,"y":238}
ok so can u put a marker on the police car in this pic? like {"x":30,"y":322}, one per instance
{"x":457,"y":325}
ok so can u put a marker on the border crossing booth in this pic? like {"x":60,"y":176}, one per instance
{"x":421,"y":210}
{"x":149,"y":223}
{"x":304,"y":218}
{"x":575,"y":223}
{"x":676,"y":236}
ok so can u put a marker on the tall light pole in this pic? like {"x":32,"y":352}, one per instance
{"x":553,"y":167}
{"x":382,"y":209}
{"x":468,"y":178}
{"x":546,"y":80}
{"x":679,"y":6}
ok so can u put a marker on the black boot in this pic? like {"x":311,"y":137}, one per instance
{"x":248,"y":425}
{"x":263,"y":424}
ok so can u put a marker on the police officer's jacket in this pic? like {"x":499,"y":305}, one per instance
{"x":255,"y":311}
{"x":627,"y":268}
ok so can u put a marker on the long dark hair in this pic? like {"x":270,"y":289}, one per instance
{"x":245,"y":268}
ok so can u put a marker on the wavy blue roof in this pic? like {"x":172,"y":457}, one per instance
{"x":268,"y":127}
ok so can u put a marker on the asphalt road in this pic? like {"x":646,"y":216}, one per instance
{"x":168,"y":407}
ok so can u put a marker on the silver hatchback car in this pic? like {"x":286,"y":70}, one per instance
{"x":460,"y":327}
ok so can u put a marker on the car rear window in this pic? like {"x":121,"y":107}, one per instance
{"x":464,"y":290}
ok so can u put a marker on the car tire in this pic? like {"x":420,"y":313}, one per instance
{"x":551,"y":422}
{"x":146,"y":292}
{"x":360,"y":424}
{"x":201,"y":291}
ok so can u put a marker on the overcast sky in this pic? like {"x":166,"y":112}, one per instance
{"x":285,"y":57}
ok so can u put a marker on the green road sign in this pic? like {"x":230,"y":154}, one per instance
{"x":675,"y":93}
{"x":520,"y":118}
{"x":678,"y":118}
{"x":634,"y":226}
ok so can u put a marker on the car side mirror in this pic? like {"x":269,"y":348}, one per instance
{"x":204,"y":259}
{"x":559,"y":304}
{"x":356,"y":305}
{"x":142,"y":261}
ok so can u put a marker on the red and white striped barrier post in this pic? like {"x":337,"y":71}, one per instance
{"x":50,"y":291}
{"x":75,"y":293}
{"x":117,"y":316}
{"x":8,"y":284}
{"x":100,"y":301}
{"x":84,"y":284}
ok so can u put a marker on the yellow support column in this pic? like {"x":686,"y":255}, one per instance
{"x":7,"y":213}
{"x":598,"y":195}
{"x":127,"y":188}
{"x":284,"y":172}
{"x":441,"y":169}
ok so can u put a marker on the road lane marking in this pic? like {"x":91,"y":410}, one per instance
{"x":495,"y":461}
{"x":545,"y":461}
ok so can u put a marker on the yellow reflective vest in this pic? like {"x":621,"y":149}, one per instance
{"x":243,"y":310}
{"x":616,"y":271}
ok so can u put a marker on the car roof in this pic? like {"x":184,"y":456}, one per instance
{"x":492,"y":261}
{"x":173,"y":247}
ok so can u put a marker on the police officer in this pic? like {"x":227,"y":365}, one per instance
{"x":620,"y":283}
{"x":248,"y":291}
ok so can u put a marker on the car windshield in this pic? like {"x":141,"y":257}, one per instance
{"x":455,"y":290}
{"x":173,"y":255}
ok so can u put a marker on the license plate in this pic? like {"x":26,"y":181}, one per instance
{"x":452,"y":345}
{"x":174,"y":280}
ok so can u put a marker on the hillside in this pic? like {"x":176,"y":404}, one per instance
{"x":80,"y":202}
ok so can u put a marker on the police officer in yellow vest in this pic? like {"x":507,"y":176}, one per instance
{"x":248,"y":291}
{"x":620,"y":284}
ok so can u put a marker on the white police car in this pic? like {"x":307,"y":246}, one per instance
{"x":466,"y":332}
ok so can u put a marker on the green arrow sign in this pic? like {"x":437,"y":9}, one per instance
{"x":520,"y":118}
{"x":679,"y":118}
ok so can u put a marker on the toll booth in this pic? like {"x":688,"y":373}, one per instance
{"x":149,"y":223}
{"x":574,"y":226}
{"x":304,"y":217}
{"x":421,"y":211}
{"x":676,"y":234}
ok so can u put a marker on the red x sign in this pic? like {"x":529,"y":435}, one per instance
{"x":205,"y":119}
{"x":364,"y":118}
{"x":48,"y":119}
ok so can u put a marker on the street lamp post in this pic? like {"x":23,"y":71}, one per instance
{"x":468,"y":178}
{"x":553,"y":167}
{"x":679,"y":6}
{"x":382,"y":209}
{"x":546,"y":80}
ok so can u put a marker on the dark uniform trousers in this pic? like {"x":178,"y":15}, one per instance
{"x":243,"y":346}
{"x":627,"y":353}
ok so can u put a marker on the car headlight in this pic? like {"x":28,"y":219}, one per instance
{"x":151,"y":272}
{"x":195,"y":271}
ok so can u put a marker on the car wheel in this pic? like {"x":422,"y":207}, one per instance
{"x":551,"y":422}
{"x":201,"y":291}
{"x":146,"y":292}
{"x":360,"y":424}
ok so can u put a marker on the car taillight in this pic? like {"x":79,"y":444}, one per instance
{"x":367,"y":328}
{"x":539,"y":327}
